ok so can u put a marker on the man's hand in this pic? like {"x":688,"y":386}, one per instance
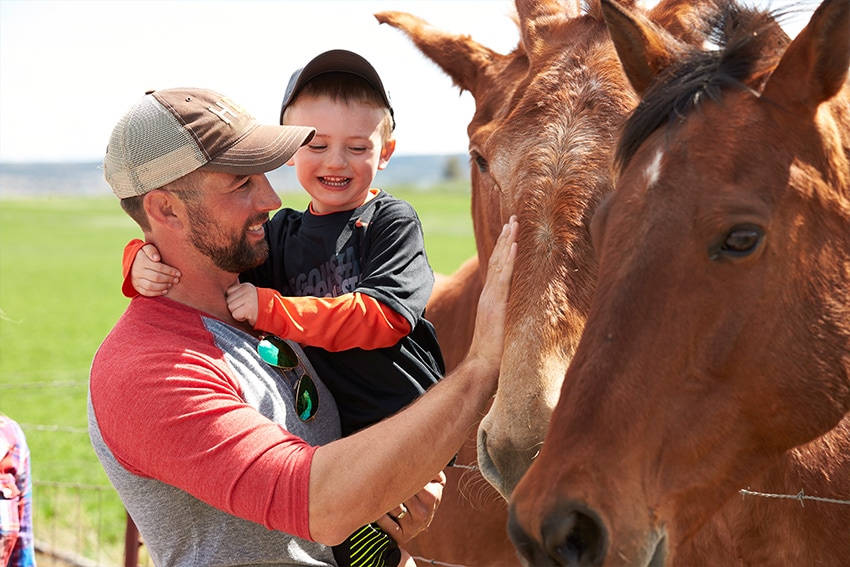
{"x":489,"y":338}
{"x":409,"y":519}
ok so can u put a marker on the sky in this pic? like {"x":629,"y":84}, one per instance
{"x":69,"y":69}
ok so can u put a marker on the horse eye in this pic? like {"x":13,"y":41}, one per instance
{"x":741,"y":240}
{"x":481,"y":162}
{"x":738,"y":242}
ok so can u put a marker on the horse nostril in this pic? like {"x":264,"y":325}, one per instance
{"x":529,"y":550}
{"x":484,"y":459}
{"x":487,"y":467}
{"x":569,"y":535}
{"x":573,"y":537}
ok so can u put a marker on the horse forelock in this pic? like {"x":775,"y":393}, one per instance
{"x":561,"y":179}
{"x":552,"y":156}
{"x":742,"y":46}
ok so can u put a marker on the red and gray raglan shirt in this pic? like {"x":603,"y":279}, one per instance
{"x":200,"y":439}
{"x":351,"y":288}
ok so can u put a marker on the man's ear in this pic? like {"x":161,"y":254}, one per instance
{"x":386,"y":153}
{"x":164,"y":209}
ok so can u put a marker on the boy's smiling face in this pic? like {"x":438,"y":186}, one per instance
{"x":339,"y":164}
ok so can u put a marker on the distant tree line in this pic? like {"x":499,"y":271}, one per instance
{"x":452,"y":169}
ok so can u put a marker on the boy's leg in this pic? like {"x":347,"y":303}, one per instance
{"x":370,"y":546}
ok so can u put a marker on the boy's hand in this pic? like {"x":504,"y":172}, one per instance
{"x":242,"y":302}
{"x":149,"y":275}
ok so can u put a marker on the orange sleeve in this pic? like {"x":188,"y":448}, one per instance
{"x":352,"y":320}
{"x":130,"y":252}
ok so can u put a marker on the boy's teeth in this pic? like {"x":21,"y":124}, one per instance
{"x":335,"y":180}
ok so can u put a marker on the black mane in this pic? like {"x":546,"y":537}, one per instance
{"x":749,"y":43}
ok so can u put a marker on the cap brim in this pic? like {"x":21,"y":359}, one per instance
{"x":264,"y":149}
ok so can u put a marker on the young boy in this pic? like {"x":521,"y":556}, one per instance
{"x":348,"y":278}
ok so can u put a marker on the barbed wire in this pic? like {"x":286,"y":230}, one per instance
{"x":33,"y":379}
{"x":38,"y":385}
{"x":73,"y":485}
{"x":53,"y":428}
{"x":435,"y":562}
{"x":800,"y":497}
{"x":46,"y":372}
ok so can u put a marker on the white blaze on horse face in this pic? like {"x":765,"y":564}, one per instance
{"x":652,"y":173}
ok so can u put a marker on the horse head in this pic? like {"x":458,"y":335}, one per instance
{"x":716,"y":354}
{"x":541,"y":143}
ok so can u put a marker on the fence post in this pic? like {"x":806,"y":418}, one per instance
{"x":132,"y":542}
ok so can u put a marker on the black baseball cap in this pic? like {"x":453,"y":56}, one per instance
{"x":335,"y":61}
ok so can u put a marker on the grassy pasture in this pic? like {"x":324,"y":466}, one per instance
{"x":60,"y":276}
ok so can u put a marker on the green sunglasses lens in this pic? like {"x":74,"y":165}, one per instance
{"x":274,"y":350}
{"x":306,"y":398}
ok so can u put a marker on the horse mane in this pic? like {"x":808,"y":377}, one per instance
{"x":747,"y":44}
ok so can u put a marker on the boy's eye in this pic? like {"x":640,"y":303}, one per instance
{"x":317,"y":147}
{"x":358,"y":149}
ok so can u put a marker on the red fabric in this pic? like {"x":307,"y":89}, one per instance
{"x":188,"y":417}
{"x":127,"y":260}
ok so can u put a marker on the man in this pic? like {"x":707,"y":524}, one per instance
{"x":220,"y":457}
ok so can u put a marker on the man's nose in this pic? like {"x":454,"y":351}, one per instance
{"x":268,"y":199}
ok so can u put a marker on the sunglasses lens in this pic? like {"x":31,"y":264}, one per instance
{"x":306,"y":398}
{"x":274,"y":350}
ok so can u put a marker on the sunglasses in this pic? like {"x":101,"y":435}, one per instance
{"x":277,"y":352}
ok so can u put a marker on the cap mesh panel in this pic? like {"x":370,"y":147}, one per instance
{"x":149,"y":148}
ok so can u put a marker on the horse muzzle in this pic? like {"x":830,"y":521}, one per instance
{"x":571,"y":534}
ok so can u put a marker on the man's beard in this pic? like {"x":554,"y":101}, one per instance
{"x":229,"y":253}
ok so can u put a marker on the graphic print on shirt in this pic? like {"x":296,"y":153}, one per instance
{"x":339,"y":275}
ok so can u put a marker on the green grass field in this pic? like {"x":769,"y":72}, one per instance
{"x":60,"y":276}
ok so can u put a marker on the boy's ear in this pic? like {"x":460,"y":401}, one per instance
{"x":160,"y":208}
{"x":386,"y":153}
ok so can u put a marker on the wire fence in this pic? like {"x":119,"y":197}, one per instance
{"x":72,"y":528}
{"x":78,"y":518}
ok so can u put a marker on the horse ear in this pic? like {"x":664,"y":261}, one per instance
{"x":536,"y":16}
{"x":686,"y":20}
{"x":814,"y":67}
{"x":461,"y":58}
{"x":644,"y":48}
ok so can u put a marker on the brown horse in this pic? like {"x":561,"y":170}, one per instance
{"x":716,"y":356}
{"x":541,"y":143}
{"x":550,"y":163}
